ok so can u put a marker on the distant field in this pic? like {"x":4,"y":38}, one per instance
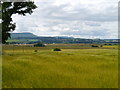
{"x":73,"y":67}
{"x":21,"y":40}
{"x":61,"y":46}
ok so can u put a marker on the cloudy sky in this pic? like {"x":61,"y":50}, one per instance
{"x":76,"y":18}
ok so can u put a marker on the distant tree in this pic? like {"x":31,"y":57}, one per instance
{"x":39,"y":45}
{"x":10,"y":8}
{"x":101,"y":45}
{"x":57,"y":49}
{"x":95,"y":46}
{"x":110,"y":44}
{"x":35,"y":50}
{"x":105,"y":44}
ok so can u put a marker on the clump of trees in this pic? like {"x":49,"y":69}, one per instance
{"x":57,"y":49}
{"x":101,"y":45}
{"x":94,"y":46}
{"x":110,"y":44}
{"x":39,"y":45}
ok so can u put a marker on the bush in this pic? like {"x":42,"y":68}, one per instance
{"x":56,"y":49}
{"x":101,"y":45}
{"x":105,"y":44}
{"x":95,"y":46}
{"x":35,"y":50}
{"x":39,"y":45}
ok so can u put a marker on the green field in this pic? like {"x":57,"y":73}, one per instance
{"x":21,"y":40}
{"x":70,"y":68}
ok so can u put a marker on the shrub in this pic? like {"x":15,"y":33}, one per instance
{"x":95,"y":46}
{"x":56,"y":49}
{"x":105,"y":44}
{"x":35,"y":50}
{"x":39,"y":45}
{"x":101,"y":45}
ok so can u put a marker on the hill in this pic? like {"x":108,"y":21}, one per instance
{"x":22,"y":35}
{"x":29,"y":38}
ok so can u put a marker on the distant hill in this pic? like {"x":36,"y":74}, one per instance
{"x":30,"y":38}
{"x":22,"y":35}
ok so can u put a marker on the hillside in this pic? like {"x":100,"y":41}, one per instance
{"x":22,"y":35}
{"x":29,"y":38}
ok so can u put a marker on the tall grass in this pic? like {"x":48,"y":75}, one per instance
{"x":69,"y":68}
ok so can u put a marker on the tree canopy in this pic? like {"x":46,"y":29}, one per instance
{"x":10,"y":8}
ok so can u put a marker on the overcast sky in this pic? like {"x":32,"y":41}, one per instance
{"x":76,"y":18}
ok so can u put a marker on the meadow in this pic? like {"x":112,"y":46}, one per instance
{"x":76,"y":66}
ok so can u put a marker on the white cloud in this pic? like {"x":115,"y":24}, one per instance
{"x":79,"y":18}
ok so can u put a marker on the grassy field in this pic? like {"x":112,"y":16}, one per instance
{"x":69,"y":68}
{"x":22,"y":40}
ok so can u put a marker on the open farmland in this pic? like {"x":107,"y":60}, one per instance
{"x":76,"y":66}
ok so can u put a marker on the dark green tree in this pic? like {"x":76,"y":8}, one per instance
{"x":39,"y":45}
{"x":10,"y":8}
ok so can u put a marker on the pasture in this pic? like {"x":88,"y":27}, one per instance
{"x":76,"y":66}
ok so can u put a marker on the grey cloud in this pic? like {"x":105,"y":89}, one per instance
{"x":101,"y":32}
{"x":93,"y":23}
{"x":57,"y":12}
{"x":107,"y":15}
{"x":80,"y":21}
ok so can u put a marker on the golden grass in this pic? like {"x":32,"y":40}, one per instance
{"x":69,"y":68}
